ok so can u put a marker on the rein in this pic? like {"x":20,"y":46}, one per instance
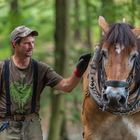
{"x":98,"y":82}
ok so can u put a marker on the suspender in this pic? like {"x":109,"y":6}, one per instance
{"x":6,"y":79}
{"x":35,"y":80}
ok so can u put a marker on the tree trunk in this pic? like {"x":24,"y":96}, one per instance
{"x":77,"y":34}
{"x":58,"y":101}
{"x":108,"y":10}
{"x":14,"y":16}
{"x":133,"y":9}
{"x":88,"y":25}
{"x":64,"y":133}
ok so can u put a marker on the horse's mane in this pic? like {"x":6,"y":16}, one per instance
{"x":120,"y":33}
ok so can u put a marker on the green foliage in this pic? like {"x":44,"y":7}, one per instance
{"x":5,"y":50}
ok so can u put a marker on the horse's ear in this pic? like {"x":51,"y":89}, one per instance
{"x":136,"y":32}
{"x":103,"y":24}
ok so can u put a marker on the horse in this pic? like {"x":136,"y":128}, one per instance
{"x":111,"y":85}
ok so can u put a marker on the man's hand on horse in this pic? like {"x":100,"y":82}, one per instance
{"x":82,"y":64}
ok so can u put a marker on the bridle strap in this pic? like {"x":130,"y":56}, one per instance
{"x":35,"y":83}
{"x":114,"y":83}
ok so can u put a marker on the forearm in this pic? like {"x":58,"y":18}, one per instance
{"x":67,"y":85}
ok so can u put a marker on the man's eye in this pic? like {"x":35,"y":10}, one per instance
{"x":26,"y":43}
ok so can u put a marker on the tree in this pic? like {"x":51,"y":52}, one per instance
{"x":88,"y":24}
{"x":108,"y":10}
{"x":58,"y":102}
{"x":14,"y":15}
{"x":77,"y":33}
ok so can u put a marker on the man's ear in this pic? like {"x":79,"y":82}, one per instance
{"x":13,"y":43}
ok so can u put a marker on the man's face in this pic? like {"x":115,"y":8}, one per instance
{"x":25,"y":47}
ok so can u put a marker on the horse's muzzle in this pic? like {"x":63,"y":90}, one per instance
{"x":115,"y":97}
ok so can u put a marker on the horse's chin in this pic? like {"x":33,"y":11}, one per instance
{"x":114,"y":108}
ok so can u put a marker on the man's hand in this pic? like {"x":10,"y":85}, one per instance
{"x":82,"y":64}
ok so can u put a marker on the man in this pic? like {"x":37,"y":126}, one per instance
{"x":22,"y":81}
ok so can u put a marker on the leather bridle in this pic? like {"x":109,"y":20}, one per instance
{"x":97,"y":87}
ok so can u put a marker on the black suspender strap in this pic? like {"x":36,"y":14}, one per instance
{"x":6,"y":79}
{"x":35,"y":82}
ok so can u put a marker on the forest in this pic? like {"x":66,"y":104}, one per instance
{"x":67,"y":29}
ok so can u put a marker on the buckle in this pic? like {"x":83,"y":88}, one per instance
{"x":23,"y":118}
{"x":19,"y":117}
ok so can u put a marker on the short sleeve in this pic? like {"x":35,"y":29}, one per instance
{"x":50,"y":77}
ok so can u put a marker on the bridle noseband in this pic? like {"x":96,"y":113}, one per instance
{"x":114,"y":83}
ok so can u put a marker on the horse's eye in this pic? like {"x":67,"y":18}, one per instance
{"x":133,"y":56}
{"x":105,"y":53}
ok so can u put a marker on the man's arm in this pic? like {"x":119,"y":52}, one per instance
{"x":68,"y":84}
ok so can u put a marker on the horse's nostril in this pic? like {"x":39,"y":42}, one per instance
{"x":105,"y":97}
{"x":122,"y":100}
{"x":105,"y":87}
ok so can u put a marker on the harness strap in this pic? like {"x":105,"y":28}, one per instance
{"x":35,"y":81}
{"x":6,"y":79}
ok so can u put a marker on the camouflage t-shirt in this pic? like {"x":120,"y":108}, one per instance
{"x":21,"y":86}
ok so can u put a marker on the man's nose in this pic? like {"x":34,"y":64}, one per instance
{"x":31,"y":45}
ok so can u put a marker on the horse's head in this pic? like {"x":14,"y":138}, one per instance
{"x":117,"y":77}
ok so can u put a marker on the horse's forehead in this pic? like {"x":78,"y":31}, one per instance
{"x":118,"y":48}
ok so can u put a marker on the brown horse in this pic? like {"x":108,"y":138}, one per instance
{"x":111,"y":86}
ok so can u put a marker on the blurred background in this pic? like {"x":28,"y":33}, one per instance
{"x":67,"y":29}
